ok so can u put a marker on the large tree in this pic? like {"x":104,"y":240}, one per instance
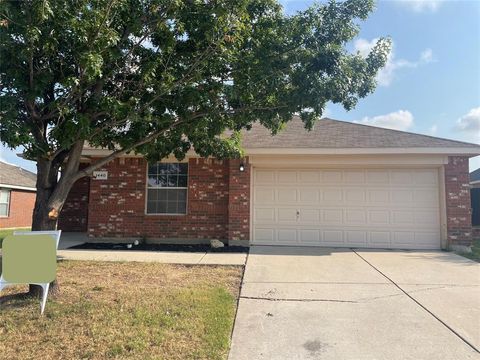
{"x":158,"y":77}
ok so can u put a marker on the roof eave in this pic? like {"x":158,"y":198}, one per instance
{"x":17,"y":187}
{"x":465,"y":151}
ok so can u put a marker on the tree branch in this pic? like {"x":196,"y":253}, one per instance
{"x":88,"y":170}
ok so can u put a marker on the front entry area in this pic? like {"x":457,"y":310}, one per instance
{"x":397,"y":208}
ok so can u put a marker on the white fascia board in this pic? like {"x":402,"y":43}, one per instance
{"x":473,"y":151}
{"x":16,"y":187}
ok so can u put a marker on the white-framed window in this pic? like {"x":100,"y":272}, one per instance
{"x":4,"y":202}
{"x":167,"y":188}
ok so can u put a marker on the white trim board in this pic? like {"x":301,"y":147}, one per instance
{"x":16,"y":187}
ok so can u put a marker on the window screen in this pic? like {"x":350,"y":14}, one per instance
{"x":167,"y":188}
{"x":4,"y":202}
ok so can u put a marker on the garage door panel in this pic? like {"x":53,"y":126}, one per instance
{"x":309,"y":216}
{"x":402,"y":196}
{"x":287,"y":215}
{"x":379,"y":196}
{"x":389,"y":208}
{"x":333,"y":237}
{"x":332,"y":177}
{"x":426,"y":238}
{"x":286,"y":177}
{"x":401,"y":177}
{"x":287,"y":236}
{"x":354,"y":177}
{"x":379,"y":217}
{"x":264,"y":215}
{"x":309,"y":195}
{"x":403,"y":217}
{"x":264,"y":195}
{"x":355,"y":196}
{"x":427,"y":218}
{"x":354,"y":217}
{"x":426,"y":196}
{"x":264,"y":177}
{"x":404,"y":238}
{"x":426,"y":178}
{"x":379,"y":238}
{"x":333,"y":196}
{"x":378,"y":177}
{"x":286,"y":195}
{"x":332,"y":216}
{"x":307,"y":177}
{"x":356,"y":238}
{"x":309,"y":236}
{"x":265,"y":235}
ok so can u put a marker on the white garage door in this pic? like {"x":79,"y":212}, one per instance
{"x":378,"y":208}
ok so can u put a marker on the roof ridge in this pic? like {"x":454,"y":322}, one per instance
{"x":401,"y":131}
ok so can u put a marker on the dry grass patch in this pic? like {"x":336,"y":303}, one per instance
{"x":125,"y":311}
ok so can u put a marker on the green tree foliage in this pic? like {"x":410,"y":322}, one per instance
{"x":164,"y":76}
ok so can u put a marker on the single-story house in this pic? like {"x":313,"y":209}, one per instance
{"x":17,"y":196}
{"x":475,"y":199}
{"x":341,"y":185}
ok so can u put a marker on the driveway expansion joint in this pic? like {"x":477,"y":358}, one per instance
{"x":295,"y":300}
{"x":200,"y":261}
{"x":419,"y":304}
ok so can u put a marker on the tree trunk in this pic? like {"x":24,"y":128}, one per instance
{"x":50,"y":191}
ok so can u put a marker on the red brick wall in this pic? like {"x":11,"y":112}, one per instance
{"x":459,"y":216}
{"x":74,"y":215}
{"x":239,"y":201}
{"x":117,"y":205}
{"x":476,"y":233}
{"x":21,"y":210}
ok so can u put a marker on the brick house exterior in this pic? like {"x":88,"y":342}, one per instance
{"x":21,"y":209}
{"x":218,"y":203}
{"x":219,"y":194}
{"x":17,"y":196}
{"x":459,"y":210}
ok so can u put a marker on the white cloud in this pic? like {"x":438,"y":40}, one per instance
{"x":421,"y":5}
{"x":426,"y":56}
{"x":397,"y":120}
{"x":433,"y":130}
{"x":469,"y":125}
{"x":387,"y":74}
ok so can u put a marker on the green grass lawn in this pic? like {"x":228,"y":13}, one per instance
{"x":125,"y":311}
{"x":475,"y":254}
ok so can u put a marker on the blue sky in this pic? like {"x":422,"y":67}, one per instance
{"x":431,"y":84}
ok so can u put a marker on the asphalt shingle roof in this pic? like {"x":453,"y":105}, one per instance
{"x":329,"y":133}
{"x":16,"y":176}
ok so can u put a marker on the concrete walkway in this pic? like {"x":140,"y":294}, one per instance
{"x":166,"y":257}
{"x":319,"y":303}
{"x":70,"y":239}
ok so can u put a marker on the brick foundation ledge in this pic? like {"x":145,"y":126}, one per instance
{"x":244,"y":243}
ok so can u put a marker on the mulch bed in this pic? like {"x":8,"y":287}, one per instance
{"x":162,"y":247}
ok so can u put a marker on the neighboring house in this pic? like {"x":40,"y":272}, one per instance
{"x":475,"y":199}
{"x":17,"y":196}
{"x":341,"y":185}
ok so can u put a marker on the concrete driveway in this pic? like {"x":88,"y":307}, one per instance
{"x":320,"y":303}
